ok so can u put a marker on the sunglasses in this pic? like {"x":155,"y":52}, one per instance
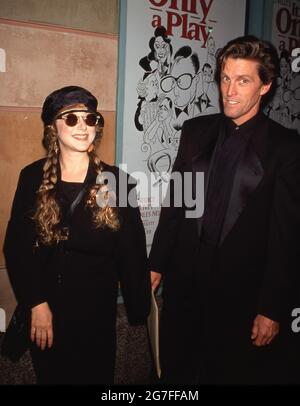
{"x":71,"y":119}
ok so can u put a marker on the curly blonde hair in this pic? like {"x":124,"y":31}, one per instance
{"x":48,"y":214}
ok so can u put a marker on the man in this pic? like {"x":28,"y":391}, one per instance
{"x":211,"y":53}
{"x":208,"y":99}
{"x":183,"y":82}
{"x":230,"y":282}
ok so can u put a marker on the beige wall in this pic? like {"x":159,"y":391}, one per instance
{"x":89,"y":15}
{"x":40,"y":60}
{"x":48,"y":47}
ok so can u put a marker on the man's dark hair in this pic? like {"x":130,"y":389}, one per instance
{"x":206,"y":65}
{"x":254,"y":49}
{"x":186,"y":52}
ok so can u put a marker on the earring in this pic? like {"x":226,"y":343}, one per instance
{"x":91,"y":148}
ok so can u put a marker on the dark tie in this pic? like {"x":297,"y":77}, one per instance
{"x":179,"y":111}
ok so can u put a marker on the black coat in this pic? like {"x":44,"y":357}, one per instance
{"x":207,"y":317}
{"x":78,"y":278}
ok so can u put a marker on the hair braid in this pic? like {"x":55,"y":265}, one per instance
{"x":47,"y":215}
{"x":106,"y":215}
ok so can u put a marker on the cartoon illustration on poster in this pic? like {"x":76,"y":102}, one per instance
{"x":285,"y":105}
{"x":170,"y":65}
{"x":172,"y":89}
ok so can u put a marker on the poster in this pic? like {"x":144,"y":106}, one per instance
{"x":167,"y":63}
{"x":285,"y":105}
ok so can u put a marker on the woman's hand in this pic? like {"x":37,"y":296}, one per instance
{"x":41,"y":326}
{"x":155,"y":279}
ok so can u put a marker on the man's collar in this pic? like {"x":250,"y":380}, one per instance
{"x":244,"y":128}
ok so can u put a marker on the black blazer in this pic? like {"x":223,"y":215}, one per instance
{"x":265,"y":196}
{"x":256,"y":265}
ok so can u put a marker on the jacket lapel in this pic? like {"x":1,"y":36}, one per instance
{"x":248,"y":175}
{"x":202,"y":161}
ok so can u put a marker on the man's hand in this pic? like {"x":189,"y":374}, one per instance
{"x":264,"y":330}
{"x":41,"y":325}
{"x":155,"y":279}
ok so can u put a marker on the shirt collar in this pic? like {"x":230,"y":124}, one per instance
{"x":246,"y":127}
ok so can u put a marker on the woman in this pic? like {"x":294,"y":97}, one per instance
{"x":147,"y":107}
{"x":158,"y":59}
{"x":67,"y":247}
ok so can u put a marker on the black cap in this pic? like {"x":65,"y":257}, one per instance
{"x":66,"y":96}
